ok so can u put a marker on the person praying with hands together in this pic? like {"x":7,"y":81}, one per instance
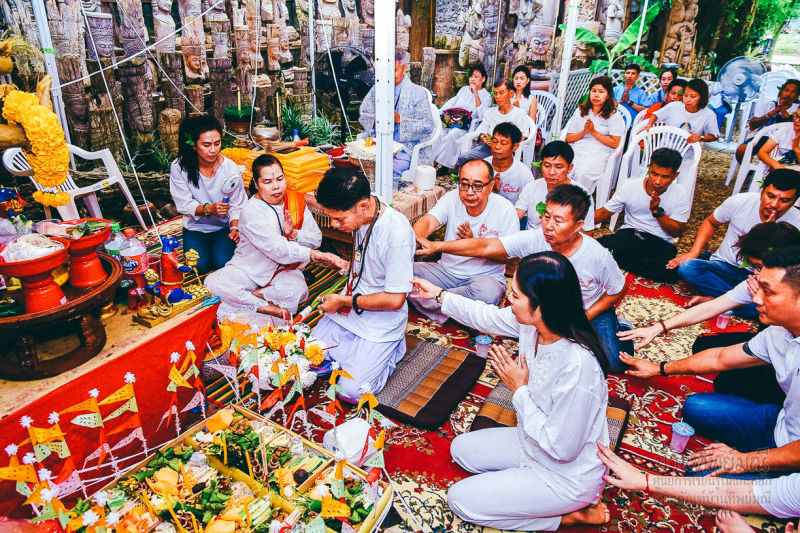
{"x":544,"y":473}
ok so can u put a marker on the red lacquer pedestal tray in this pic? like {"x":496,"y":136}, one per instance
{"x":39,"y":291}
{"x":85,"y":269}
{"x":31,"y":344}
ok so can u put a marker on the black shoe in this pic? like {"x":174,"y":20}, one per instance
{"x":442,"y":171}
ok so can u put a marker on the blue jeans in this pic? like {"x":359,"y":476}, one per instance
{"x":741,"y":424}
{"x":215,"y":248}
{"x":607,"y":326}
{"x":715,"y":278}
{"x":481,"y":151}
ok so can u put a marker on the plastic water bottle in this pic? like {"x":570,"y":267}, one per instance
{"x":296,"y":136}
{"x":115,"y":242}
{"x":133,"y":254}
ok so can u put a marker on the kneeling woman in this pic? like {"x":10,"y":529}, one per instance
{"x":545,"y":472}
{"x":265,"y":274}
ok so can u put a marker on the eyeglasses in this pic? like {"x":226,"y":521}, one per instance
{"x":477,"y":187}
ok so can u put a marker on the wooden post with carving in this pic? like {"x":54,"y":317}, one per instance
{"x":197,"y":96}
{"x":173,"y":92}
{"x":75,"y":102}
{"x":169,"y":122}
{"x":138,"y":98}
{"x":222,"y":96}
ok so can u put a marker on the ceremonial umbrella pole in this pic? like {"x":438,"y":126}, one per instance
{"x":384,"y":97}
{"x":566,"y":61}
{"x":46,"y":42}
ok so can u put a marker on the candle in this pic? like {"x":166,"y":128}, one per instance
{"x":239,"y":100}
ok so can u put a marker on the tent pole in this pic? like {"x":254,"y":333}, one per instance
{"x":384,"y":97}
{"x":566,"y":62}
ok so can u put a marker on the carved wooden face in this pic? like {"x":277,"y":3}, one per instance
{"x":192,"y":60}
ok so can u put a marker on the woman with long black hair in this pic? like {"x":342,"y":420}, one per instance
{"x":196,"y":180}
{"x":545,"y":472}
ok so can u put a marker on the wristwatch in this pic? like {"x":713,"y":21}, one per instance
{"x":658,"y":212}
{"x":662,"y":370}
{"x":205,"y":209}
{"x":438,"y":297}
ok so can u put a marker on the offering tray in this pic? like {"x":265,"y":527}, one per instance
{"x":22,"y":336}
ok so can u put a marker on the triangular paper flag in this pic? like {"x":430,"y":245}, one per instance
{"x":332,"y":390}
{"x":36,"y":495}
{"x":337,"y":488}
{"x":378,"y":444}
{"x":297,"y":388}
{"x":48,"y":513}
{"x":278,"y":405}
{"x":86,"y":405}
{"x":89,"y":420}
{"x":369,"y":398}
{"x":45,"y":434}
{"x":371,"y":491}
{"x":292,"y":372}
{"x":316,"y":526}
{"x":334,"y":509}
{"x":130,"y":405}
{"x":347,"y":528}
{"x":23,"y":488}
{"x":339,"y":472}
{"x":133,"y":435}
{"x":132,"y":422}
{"x":376,"y":461}
{"x":63,"y":519}
{"x":176,"y":377}
{"x":337,"y":373}
{"x":120,"y":395}
{"x":59,"y":447}
{"x":270,"y":400}
{"x":323,"y":414}
{"x":226,"y":370}
{"x":42,"y":452}
{"x":25,"y":473}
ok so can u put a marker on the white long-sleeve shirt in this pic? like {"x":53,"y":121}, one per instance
{"x":561,"y":412}
{"x":187,"y":197}
{"x":262,"y":249}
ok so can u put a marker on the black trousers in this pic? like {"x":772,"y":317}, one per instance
{"x":757,"y":384}
{"x":642,"y":253}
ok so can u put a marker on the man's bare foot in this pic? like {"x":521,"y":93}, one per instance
{"x":592,"y":515}
{"x":731,"y":522}
{"x":697,"y":300}
{"x":273,"y":310}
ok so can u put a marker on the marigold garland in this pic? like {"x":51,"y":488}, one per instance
{"x":49,"y":154}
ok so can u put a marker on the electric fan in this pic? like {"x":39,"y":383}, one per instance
{"x":740,"y":81}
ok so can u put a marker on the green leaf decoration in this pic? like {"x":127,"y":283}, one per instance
{"x":586,"y":36}
{"x":642,"y":62}
{"x":599,"y":65}
{"x":632,"y":31}
{"x":540,"y":208}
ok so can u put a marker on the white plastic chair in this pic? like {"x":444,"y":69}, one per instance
{"x":546,"y":105}
{"x":757,"y":167}
{"x":409,"y":174}
{"x":15,"y":162}
{"x":527,"y":147}
{"x":662,"y":137}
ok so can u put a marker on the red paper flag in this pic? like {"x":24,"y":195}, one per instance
{"x":270,"y":400}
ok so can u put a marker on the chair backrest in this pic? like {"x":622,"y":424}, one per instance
{"x":637,"y":121}
{"x":577,"y":86}
{"x":647,"y":81}
{"x":546,"y":104}
{"x":15,"y":162}
{"x":626,"y":115}
{"x":756,"y":167}
{"x":771,"y":82}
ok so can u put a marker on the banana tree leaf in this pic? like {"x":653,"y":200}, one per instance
{"x":598,"y":65}
{"x":642,"y":62}
{"x":586,"y":36}
{"x":632,"y":31}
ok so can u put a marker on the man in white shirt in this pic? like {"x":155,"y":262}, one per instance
{"x":769,"y":113}
{"x":364,"y":326}
{"x":472,"y":210}
{"x":758,"y":440}
{"x":556,"y":157}
{"x":656,"y":210}
{"x":719,"y":273}
{"x":602,"y":282}
{"x":510,"y":174}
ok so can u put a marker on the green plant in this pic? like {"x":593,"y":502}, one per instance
{"x":292,"y":119}
{"x":149,"y":155}
{"x":323,"y":131}
{"x":617,"y":52}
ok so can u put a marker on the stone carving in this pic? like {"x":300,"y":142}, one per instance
{"x":428,"y":67}
{"x":471,"y":21}
{"x":193,"y":40}
{"x":447,"y":13}
{"x":615,"y":15}
{"x":134,"y":33}
{"x":679,"y":39}
{"x":526,"y":13}
{"x":349,"y":8}
{"x":220,"y":35}
{"x":163,"y":25}
{"x":273,"y":47}
{"x":240,"y":38}
{"x":220,"y":72}
{"x":197,"y":96}
{"x":403,"y":23}
{"x":584,"y":51}
{"x":284,"y":55}
{"x":541,"y":39}
{"x":101,"y":31}
{"x":267,"y":11}
{"x":588,"y":10}
{"x":367,"y":34}
{"x":168,"y":124}
{"x":368,"y":12}
{"x":256,"y":36}
{"x":329,"y":8}
{"x":90,"y":6}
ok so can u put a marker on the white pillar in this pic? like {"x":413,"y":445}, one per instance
{"x":46,"y":42}
{"x":384,"y":96}
{"x":566,"y":61}
{"x":641,"y":27}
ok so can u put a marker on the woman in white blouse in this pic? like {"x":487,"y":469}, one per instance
{"x":545,"y":472}
{"x":265,"y":274}
{"x":196,"y":181}
{"x":595,"y":131}
{"x":522,"y":91}
{"x":473,"y":98}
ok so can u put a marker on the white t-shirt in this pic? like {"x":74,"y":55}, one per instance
{"x":492,"y":117}
{"x":781,"y":349}
{"x":208,"y":191}
{"x":535,"y":193}
{"x":740,"y":294}
{"x":497,"y":219}
{"x":762,"y":107}
{"x":524,"y":103}
{"x":389,"y":267}
{"x":636,"y":202}
{"x":613,"y":125}
{"x":513,"y":179}
{"x":784,"y":136}
{"x":598,"y":273}
{"x":740,"y":211}
{"x":779,"y":496}
{"x":703,"y":122}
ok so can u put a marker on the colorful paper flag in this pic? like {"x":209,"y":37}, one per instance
{"x":334,"y":509}
{"x":26,"y":473}
{"x":120,"y":395}
{"x":197,"y":400}
{"x":297,"y":388}
{"x":89,"y":420}
{"x":369,"y":398}
{"x":177,"y":378}
{"x":339,"y":373}
{"x":133,"y":435}
{"x":316,"y":526}
{"x":130,"y":405}
{"x":39,"y":435}
{"x":376,"y":461}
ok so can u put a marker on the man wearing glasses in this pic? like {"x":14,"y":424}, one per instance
{"x":471,"y":211}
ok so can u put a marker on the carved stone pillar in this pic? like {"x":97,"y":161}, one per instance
{"x":222,"y":96}
{"x":193,"y":40}
{"x":103,"y":132}
{"x":220,"y":35}
{"x":173,"y":92}
{"x":137,"y":96}
{"x":164,"y":25}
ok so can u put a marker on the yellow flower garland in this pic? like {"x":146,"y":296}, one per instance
{"x":49,"y":154}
